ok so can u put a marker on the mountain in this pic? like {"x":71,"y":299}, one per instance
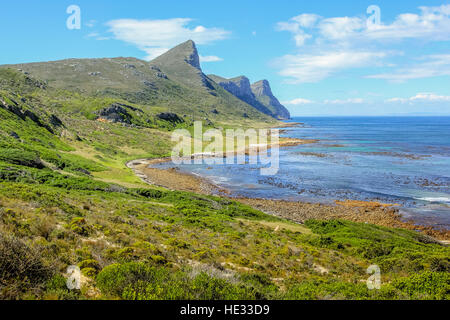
{"x":241,"y":88}
{"x":259,"y":95}
{"x":182,"y":63}
{"x":173,"y":82}
{"x":263,"y":94}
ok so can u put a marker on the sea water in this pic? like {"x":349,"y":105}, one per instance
{"x":402,"y":160}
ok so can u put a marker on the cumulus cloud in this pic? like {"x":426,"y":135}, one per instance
{"x":426,"y":67}
{"x":157,"y":36}
{"x":336,"y":44}
{"x":316,"y":67}
{"x":432,"y":23}
{"x":210,"y":59}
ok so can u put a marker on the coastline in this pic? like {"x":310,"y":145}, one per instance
{"x":376,"y":213}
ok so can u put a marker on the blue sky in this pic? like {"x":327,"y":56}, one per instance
{"x":321,"y":57}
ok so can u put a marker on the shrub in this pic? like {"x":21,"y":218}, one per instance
{"x":149,"y":193}
{"x":113,"y":280}
{"x":90,"y":263}
{"x":21,"y":268}
{"x":428,"y":285}
{"x":89,"y":272}
{"x":139,"y":281}
{"x":21,"y":157}
{"x":80,"y":226}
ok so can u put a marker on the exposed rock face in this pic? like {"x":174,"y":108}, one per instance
{"x":17,"y":110}
{"x":55,"y":121}
{"x":193,"y":59}
{"x":116,"y":113}
{"x":170,"y":117}
{"x":240,"y":87}
{"x":182,"y":63}
{"x":263,"y":94}
{"x":14,"y":135}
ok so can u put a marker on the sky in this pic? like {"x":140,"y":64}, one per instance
{"x":322,"y":58}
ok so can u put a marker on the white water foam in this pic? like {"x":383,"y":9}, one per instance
{"x":437,"y":199}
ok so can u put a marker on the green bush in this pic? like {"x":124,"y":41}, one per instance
{"x":149,"y":193}
{"x":139,"y":281}
{"x":21,"y":157}
{"x":428,"y":285}
{"x":21,"y":268}
{"x":394,"y":250}
{"x":90,"y":263}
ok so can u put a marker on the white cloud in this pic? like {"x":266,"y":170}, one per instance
{"x":91,"y":23}
{"x":306,"y":20}
{"x":153,"y":53}
{"x":336,"y":44}
{"x":210,"y":59}
{"x":341,"y":27}
{"x":430,"y":66}
{"x":314,"y":68}
{"x":297,"y":102}
{"x":421,"y":97}
{"x":156,"y":36}
{"x":97,"y":36}
{"x":432,"y":23}
{"x":346,"y":101}
{"x":302,"y":101}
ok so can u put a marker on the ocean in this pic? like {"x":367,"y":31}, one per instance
{"x":401,"y":160}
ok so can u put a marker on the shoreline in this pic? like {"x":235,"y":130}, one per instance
{"x":386,"y":215}
{"x":372,"y":212}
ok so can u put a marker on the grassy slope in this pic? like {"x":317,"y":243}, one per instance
{"x":134,"y":242}
{"x":136,"y":82}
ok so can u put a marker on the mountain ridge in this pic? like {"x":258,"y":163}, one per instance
{"x":173,"y":82}
{"x":258,"y":95}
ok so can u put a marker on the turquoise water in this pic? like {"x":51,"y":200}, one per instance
{"x":403,"y":160}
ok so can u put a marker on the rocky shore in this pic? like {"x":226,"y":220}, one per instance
{"x":358,"y":211}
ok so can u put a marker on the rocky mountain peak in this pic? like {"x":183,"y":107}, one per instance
{"x":263,"y":93}
{"x":262,"y":88}
{"x":183,"y":53}
{"x":193,"y":57}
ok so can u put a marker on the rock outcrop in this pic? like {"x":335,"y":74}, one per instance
{"x":259,"y":95}
{"x":170,"y":117}
{"x":182,"y":63}
{"x":264,"y":95}
{"x":116,"y":113}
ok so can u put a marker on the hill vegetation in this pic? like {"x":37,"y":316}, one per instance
{"x":66,"y":198}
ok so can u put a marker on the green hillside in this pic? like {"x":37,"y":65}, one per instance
{"x":67,"y":129}
{"x":169,"y":83}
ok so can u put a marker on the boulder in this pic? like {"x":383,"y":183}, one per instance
{"x":170,"y":117}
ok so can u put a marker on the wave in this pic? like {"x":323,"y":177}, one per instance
{"x":436,"y":199}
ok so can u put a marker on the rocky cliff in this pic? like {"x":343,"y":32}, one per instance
{"x":259,"y":95}
{"x":264,"y":95}
{"x":241,"y":88}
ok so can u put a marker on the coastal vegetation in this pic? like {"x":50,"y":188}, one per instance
{"x":67,"y":198}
